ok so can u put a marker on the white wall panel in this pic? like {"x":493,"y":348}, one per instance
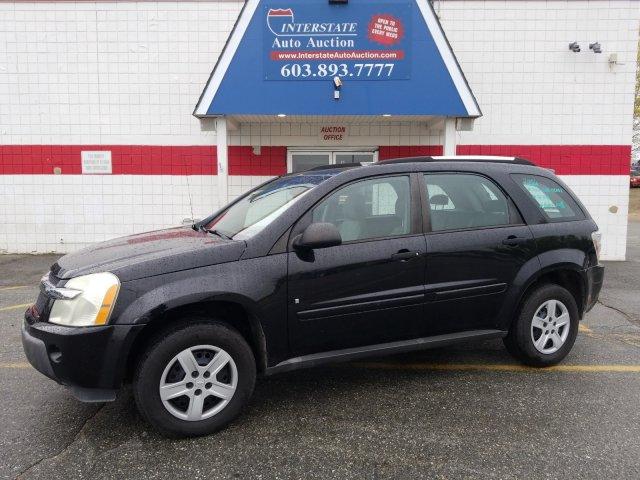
{"x":107,"y":72}
{"x":607,"y":199}
{"x":531,"y":88}
{"x":61,"y":213}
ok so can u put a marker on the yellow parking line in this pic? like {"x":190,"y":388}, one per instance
{"x":15,"y":365}
{"x":583,"y":328}
{"x":614,"y":368}
{"x":14,"y":307}
{"x":499,"y":367}
{"x":15,"y":287}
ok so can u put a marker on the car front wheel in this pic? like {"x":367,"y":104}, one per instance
{"x":195,"y":379}
{"x":545,"y":330}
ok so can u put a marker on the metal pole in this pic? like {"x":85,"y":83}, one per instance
{"x":223,"y":160}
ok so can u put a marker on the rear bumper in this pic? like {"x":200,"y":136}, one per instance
{"x":595,"y":277}
{"x":90,"y":361}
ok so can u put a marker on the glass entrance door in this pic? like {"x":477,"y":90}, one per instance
{"x":299,"y":161}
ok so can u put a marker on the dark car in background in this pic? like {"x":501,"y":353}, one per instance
{"x":331,"y":264}
{"x":634,"y":176}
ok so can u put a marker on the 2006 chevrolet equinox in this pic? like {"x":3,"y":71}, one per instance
{"x":329,"y":264}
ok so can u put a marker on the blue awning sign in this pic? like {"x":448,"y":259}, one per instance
{"x":369,"y":46}
{"x":392,"y":58}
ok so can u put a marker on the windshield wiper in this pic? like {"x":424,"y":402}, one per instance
{"x":218,"y":233}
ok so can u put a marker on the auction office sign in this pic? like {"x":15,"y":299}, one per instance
{"x":329,"y":133}
{"x":323,"y":41}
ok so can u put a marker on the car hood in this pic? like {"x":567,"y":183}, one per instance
{"x":151,"y":253}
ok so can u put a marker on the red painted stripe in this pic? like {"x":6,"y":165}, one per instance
{"x":142,"y":159}
{"x":201,"y":160}
{"x":564,"y":159}
{"x":385,"y":153}
{"x":270,"y":161}
{"x":126,"y":159}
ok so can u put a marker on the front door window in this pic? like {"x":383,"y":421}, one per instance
{"x":376,"y":208}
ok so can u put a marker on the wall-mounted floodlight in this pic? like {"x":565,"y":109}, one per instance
{"x":337,"y":85}
{"x":574,"y":47}
{"x":596,"y":47}
{"x":613,"y":60}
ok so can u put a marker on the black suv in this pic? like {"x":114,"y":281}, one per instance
{"x":324,"y":265}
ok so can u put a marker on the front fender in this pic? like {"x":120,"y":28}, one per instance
{"x":257,"y":285}
{"x":167,"y":297}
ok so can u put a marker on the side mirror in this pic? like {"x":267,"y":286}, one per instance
{"x":318,"y":235}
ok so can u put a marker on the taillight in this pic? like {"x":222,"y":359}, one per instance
{"x":597,"y":243}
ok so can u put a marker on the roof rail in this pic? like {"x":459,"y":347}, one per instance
{"x":461,"y":158}
{"x":334,"y":166}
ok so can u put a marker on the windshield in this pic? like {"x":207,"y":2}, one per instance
{"x":259,"y":208}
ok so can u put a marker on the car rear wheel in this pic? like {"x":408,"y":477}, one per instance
{"x":195,"y":379}
{"x":545,"y":330}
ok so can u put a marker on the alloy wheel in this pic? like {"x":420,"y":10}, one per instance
{"x":198,"y":382}
{"x":550,"y":326}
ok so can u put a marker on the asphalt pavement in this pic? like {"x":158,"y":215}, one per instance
{"x":468,"y":411}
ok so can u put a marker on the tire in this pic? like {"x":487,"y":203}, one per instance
{"x":526,"y":342}
{"x":219,"y":395}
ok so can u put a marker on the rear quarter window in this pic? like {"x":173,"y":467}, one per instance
{"x":553,"y":201}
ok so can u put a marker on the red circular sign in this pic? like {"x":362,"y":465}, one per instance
{"x":385,"y":29}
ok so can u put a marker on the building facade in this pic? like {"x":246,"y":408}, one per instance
{"x":98,"y":136}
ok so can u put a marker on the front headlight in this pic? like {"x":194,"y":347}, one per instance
{"x":93,"y":306}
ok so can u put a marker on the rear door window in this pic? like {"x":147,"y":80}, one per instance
{"x":554,"y":202}
{"x":459,"y":201}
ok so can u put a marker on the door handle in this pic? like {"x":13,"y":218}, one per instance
{"x":404,"y":255}
{"x":513,"y":241}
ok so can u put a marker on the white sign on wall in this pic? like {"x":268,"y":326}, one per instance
{"x":333,"y":133}
{"x":96,"y":162}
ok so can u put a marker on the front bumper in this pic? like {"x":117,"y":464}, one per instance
{"x":595,"y":278}
{"x":91,"y":361}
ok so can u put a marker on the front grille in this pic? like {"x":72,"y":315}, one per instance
{"x":47,"y":283}
{"x":55,"y":268}
{"x":42,"y":307}
{"x":35,"y":313}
